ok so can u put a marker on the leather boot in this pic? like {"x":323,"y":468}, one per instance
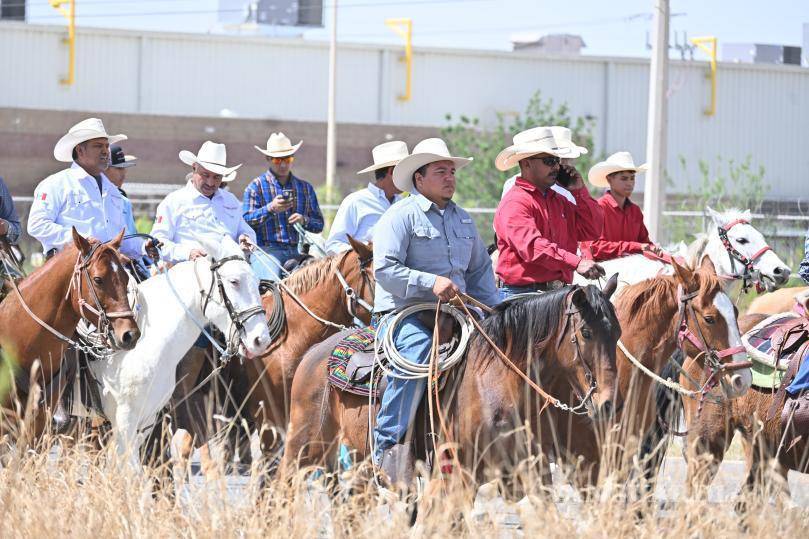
{"x":398,"y":465}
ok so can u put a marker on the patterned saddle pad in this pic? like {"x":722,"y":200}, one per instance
{"x":353,"y":378}
{"x":772,"y":346}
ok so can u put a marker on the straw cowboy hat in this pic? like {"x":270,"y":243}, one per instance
{"x":425,"y":152}
{"x":563,"y":136}
{"x":279,"y":145}
{"x":211,"y":156}
{"x":615,"y":163}
{"x":527,"y":143}
{"x":82,"y":132}
{"x":387,"y":154}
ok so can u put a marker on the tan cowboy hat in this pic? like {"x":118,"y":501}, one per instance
{"x":527,"y":143}
{"x":564,"y":137}
{"x":615,"y":163}
{"x":425,"y":152}
{"x":387,"y":154}
{"x":82,"y":132}
{"x":211,"y":156}
{"x":279,"y":145}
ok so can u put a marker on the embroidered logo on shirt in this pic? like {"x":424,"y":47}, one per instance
{"x":44,"y":196}
{"x":159,"y":219}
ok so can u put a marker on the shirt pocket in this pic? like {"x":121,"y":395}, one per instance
{"x":464,"y":241}
{"x":79,"y":207}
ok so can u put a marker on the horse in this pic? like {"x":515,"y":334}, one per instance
{"x":568,"y":334}
{"x":85,"y":281}
{"x":779,"y":301}
{"x":138,"y":383}
{"x":712,"y":425}
{"x":738,"y":252}
{"x":688,"y":311}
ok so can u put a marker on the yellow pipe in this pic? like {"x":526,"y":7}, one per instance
{"x":703,"y":43}
{"x":70,"y":15}
{"x":404,"y":29}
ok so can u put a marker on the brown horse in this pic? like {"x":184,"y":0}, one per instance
{"x":86,"y":280}
{"x":653,"y":315}
{"x":780,"y":301}
{"x":711,"y":431}
{"x":569,"y":334}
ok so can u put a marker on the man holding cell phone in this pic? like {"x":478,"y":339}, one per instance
{"x":277,"y":200}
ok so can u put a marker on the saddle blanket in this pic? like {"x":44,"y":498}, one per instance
{"x":771,"y":358}
{"x":359,"y":340}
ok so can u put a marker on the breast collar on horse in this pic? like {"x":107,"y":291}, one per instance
{"x":239,"y":318}
{"x":749,"y":275}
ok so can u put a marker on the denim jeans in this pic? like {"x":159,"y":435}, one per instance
{"x":506,"y":291}
{"x":402,"y":397}
{"x":267,"y":261}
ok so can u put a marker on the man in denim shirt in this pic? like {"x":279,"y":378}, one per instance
{"x":9,"y":221}
{"x":425,"y":248}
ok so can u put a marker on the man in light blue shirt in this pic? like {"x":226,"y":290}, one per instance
{"x":361,"y":210}
{"x":425,"y":248}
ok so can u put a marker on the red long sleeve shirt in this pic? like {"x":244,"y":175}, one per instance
{"x":624,"y":232}
{"x":537,"y":233}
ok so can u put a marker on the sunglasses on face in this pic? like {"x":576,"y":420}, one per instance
{"x":279,"y":160}
{"x":550,"y":160}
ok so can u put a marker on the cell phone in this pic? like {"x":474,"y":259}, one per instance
{"x":287,"y":194}
{"x":563,"y":177}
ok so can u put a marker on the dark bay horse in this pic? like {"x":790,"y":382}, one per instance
{"x":657,"y":316}
{"x":711,"y":431}
{"x":85,"y":280}
{"x":568,"y":334}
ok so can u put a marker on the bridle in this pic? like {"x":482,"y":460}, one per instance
{"x":238,"y":318}
{"x":749,"y":275}
{"x":352,"y":299}
{"x":581,"y":407}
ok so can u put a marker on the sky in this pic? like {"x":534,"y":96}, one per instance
{"x":609,"y":28}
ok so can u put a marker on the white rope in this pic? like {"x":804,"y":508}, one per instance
{"x":674,"y":386}
{"x":308,"y":311}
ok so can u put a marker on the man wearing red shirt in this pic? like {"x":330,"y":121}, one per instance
{"x":624,"y":232}
{"x":538,"y":230}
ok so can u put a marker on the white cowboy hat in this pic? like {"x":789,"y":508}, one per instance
{"x":615,"y":163}
{"x":387,"y":154}
{"x":564,"y":137}
{"x":279,"y":145}
{"x":82,"y":132}
{"x":425,"y":152}
{"x":527,"y":143}
{"x":211,"y":156}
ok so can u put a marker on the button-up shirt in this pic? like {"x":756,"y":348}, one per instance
{"x":186,"y":215}
{"x":71,"y":198}
{"x":538,"y":233}
{"x":556,"y":187}
{"x":357,"y":215}
{"x":129,"y":215}
{"x":274,"y":227}
{"x":414,"y":242}
{"x":624,"y":232}
{"x":8,"y":213}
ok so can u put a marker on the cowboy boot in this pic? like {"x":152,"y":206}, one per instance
{"x":398,"y":464}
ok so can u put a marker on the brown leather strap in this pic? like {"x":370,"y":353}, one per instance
{"x":792,"y":370}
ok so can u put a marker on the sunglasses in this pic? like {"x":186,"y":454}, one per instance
{"x":549,"y":161}
{"x":279,"y":160}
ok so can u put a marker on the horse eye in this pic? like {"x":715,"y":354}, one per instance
{"x":710,"y":319}
{"x":586,"y":333}
{"x":234,"y":282}
{"x":98,"y":280}
{"x":742,"y":241}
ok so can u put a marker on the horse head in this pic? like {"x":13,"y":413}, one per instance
{"x":356,"y":274}
{"x":233,"y":303}
{"x":738,"y":250}
{"x":99,"y":289}
{"x":587,"y":348}
{"x":708,"y":331}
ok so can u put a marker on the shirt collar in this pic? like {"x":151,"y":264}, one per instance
{"x":614,"y":203}
{"x":194,"y":193}
{"x":425,"y":203}
{"x":531,"y":188}
{"x":376,"y":191}
{"x":272,"y":177}
{"x":76,"y":172}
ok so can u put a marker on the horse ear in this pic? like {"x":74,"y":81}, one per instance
{"x":747,"y":215}
{"x":715,"y":216}
{"x":579,"y":297}
{"x":116,"y":241}
{"x":683,"y":275}
{"x":611,"y":286}
{"x":81,"y":243}
{"x":363,"y":250}
{"x":707,"y":265}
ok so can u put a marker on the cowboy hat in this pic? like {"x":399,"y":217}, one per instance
{"x":211,"y":156}
{"x":563,"y":137}
{"x":279,"y":145}
{"x":387,"y":154}
{"x":425,"y":152}
{"x":82,"y":132}
{"x":615,"y":163}
{"x":527,"y":143}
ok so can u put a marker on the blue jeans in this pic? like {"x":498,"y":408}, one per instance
{"x":268,"y":261}
{"x":506,"y":291}
{"x":402,"y":397}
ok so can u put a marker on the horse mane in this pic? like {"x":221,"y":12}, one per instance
{"x":304,"y":279}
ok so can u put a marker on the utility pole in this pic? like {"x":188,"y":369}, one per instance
{"x":331,"y":139}
{"x":657,"y":123}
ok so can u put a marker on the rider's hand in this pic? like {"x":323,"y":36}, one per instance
{"x":280,"y":204}
{"x":245,"y":243}
{"x":296,"y":218}
{"x":576,"y":180}
{"x":196,"y":253}
{"x":652,"y":248}
{"x":151,"y":250}
{"x":445,"y":289}
{"x":589,"y":269}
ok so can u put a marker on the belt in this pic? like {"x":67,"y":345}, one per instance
{"x":537,"y":287}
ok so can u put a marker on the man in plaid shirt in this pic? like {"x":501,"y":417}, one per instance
{"x":276,"y":200}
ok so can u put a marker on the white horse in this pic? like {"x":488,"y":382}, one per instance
{"x":752,"y":260}
{"x":219,"y":289}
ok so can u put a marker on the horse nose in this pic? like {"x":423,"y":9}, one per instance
{"x":261,"y":343}
{"x":605,"y":411}
{"x":129,"y":338}
{"x":781,"y":274}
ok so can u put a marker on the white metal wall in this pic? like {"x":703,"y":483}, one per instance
{"x":762,"y":110}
